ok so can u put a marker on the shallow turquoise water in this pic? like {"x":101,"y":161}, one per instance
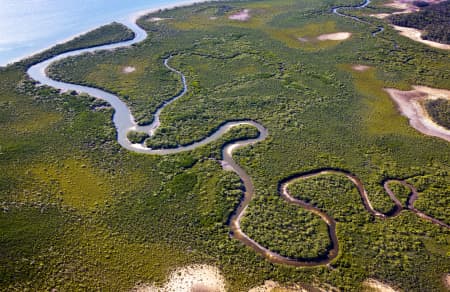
{"x":28,"y":26}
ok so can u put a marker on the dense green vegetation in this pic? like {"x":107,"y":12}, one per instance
{"x":439,"y":110}
{"x":401,"y":192}
{"x":287,"y":229}
{"x":433,"y":19}
{"x":137,"y":137}
{"x":138,"y":216}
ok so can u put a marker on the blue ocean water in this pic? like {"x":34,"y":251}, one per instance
{"x":29,"y":26}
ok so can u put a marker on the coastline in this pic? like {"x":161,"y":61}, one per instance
{"x":193,"y":251}
{"x":127,"y":19}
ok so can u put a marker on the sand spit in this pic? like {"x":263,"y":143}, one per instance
{"x":416,"y":35}
{"x":271,"y":286}
{"x":360,"y":68}
{"x":338,"y":36}
{"x":128,"y":69}
{"x":195,"y":278}
{"x":409,"y":104}
{"x":243,"y":15}
{"x":377,"y":286}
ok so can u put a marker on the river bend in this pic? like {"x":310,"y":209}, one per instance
{"x":124,"y":122}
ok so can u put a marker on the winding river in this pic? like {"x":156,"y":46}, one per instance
{"x":125,"y":122}
{"x":336,"y":10}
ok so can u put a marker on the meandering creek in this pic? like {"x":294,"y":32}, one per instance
{"x":124,"y":122}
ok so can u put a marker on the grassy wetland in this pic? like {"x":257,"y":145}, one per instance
{"x":75,"y":204}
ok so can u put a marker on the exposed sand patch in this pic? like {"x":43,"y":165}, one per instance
{"x":195,"y":278}
{"x":270,"y":286}
{"x":338,"y":36}
{"x":416,"y":35}
{"x":360,"y":68}
{"x":375,"y":285}
{"x":409,"y":104}
{"x":303,"y":40}
{"x":243,"y":15}
{"x":128,"y":69}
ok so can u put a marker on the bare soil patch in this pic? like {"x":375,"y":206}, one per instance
{"x":338,"y":36}
{"x":128,"y":69}
{"x":360,"y":68}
